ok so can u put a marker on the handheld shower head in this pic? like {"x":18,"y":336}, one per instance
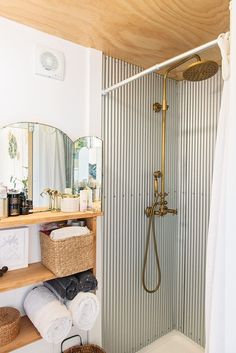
{"x":200,"y":70}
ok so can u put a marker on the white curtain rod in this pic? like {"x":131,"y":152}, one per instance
{"x":161,"y":65}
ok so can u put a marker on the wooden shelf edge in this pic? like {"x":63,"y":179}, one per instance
{"x":28,"y":334}
{"x":34,"y":273}
{"x":45,"y":217}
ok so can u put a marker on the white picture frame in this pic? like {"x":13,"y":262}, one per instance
{"x":14,"y":248}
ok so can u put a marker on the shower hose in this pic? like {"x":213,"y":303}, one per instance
{"x":151,"y":231}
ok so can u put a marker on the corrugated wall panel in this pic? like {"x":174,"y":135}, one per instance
{"x":133,"y":318}
{"x":199,"y":107}
{"x":132,"y":142}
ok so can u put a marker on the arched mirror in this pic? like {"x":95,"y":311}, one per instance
{"x":35,"y":156}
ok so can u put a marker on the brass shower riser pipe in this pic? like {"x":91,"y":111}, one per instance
{"x":163,"y":149}
{"x":163,"y":208}
{"x":164,"y":109}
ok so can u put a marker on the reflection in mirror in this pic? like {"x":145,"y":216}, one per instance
{"x":14,"y":156}
{"x":88,"y":168}
{"x":35,"y":156}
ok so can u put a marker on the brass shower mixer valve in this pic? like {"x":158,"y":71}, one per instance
{"x":164,"y":210}
{"x":161,"y":210}
{"x":159,"y":207}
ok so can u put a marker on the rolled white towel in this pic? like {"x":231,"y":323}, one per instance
{"x":49,"y":316}
{"x":68,"y":232}
{"x":84,"y":309}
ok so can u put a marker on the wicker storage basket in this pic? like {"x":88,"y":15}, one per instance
{"x":9,"y":325}
{"x":69,"y":256}
{"x":87,"y":348}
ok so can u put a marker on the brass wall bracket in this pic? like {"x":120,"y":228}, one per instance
{"x":157,"y":107}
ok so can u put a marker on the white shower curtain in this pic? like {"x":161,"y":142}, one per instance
{"x":221,"y":248}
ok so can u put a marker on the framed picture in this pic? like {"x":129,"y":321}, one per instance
{"x":14,"y":248}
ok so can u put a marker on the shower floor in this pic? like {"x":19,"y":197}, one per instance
{"x":173,"y":342}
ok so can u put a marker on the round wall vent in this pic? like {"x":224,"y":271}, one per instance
{"x":50,"y":63}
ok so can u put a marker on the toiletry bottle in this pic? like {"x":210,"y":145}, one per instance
{"x":81,"y":222}
{"x":97,"y":192}
{"x":89,"y":198}
{"x":24,"y":209}
{"x":83,"y":200}
{"x":30,"y":205}
{"x":3,"y":202}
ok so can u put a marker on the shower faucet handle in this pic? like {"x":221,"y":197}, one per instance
{"x":163,"y":211}
{"x":172,"y":210}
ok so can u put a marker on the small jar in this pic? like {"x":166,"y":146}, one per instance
{"x":24,"y":209}
{"x":29,"y":204}
{"x":14,"y":203}
{"x":69,"y":203}
{"x":82,"y":223}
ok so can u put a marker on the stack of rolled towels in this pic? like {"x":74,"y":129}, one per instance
{"x":56,"y":305}
{"x":66,"y":288}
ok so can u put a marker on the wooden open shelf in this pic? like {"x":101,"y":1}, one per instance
{"x":34,"y":273}
{"x":28,"y":334}
{"x":45,"y":217}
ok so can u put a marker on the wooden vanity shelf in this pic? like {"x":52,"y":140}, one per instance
{"x":28,"y":334}
{"x":45,"y":217}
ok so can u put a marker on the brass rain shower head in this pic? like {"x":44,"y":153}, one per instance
{"x":200,"y":70}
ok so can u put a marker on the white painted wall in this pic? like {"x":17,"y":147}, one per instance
{"x":72,"y":105}
{"x":26,"y":96}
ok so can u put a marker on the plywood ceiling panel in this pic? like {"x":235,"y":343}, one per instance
{"x":143,"y":32}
